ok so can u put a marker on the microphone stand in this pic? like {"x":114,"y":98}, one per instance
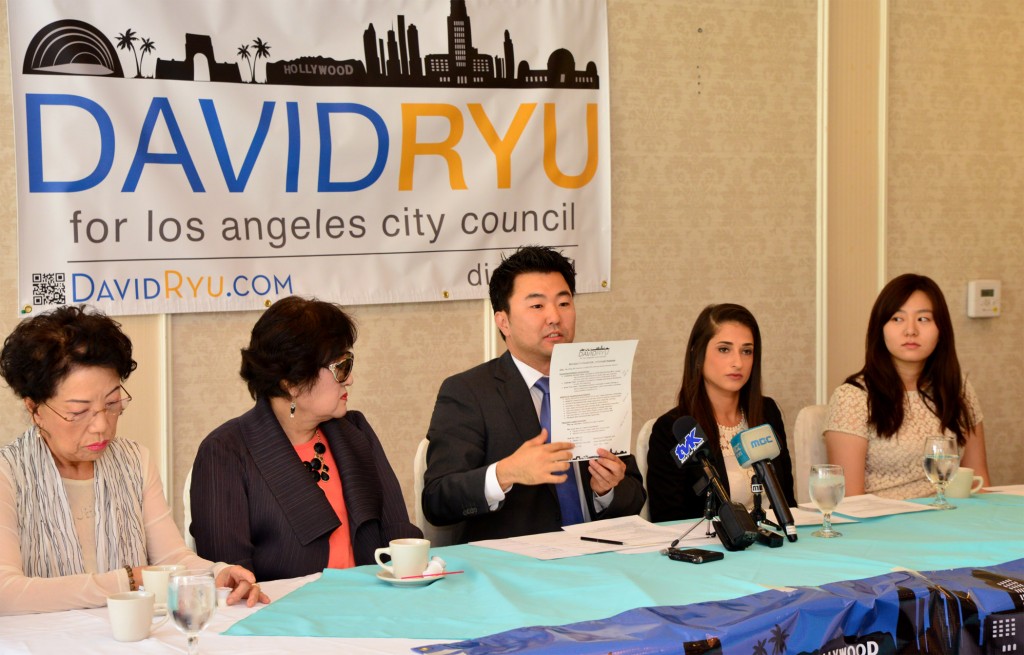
{"x":758,"y":514}
{"x":709,"y":513}
{"x":756,"y":489}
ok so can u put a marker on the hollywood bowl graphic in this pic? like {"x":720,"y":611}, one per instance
{"x":390,"y":59}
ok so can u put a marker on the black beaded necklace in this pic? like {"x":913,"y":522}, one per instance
{"x":317,"y":466}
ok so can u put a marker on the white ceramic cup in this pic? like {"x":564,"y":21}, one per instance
{"x":408,"y":557}
{"x":131,"y":615}
{"x":964,"y":483}
{"x":222,"y":596}
{"x":155,"y":578}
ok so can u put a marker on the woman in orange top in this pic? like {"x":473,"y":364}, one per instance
{"x":298,"y":483}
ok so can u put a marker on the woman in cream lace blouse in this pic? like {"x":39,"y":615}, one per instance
{"x":910,"y":388}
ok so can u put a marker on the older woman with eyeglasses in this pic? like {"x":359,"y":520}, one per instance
{"x":81,"y":510}
{"x":298,"y":483}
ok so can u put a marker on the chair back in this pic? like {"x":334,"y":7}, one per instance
{"x":438,"y":535}
{"x":808,"y":445}
{"x":643,"y":445}
{"x":187,"y":511}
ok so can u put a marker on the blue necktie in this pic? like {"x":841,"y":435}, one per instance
{"x":568,"y":495}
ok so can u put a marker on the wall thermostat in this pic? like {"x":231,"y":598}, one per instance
{"x":983,"y":298}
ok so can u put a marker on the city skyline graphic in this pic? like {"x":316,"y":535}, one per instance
{"x":390,"y":59}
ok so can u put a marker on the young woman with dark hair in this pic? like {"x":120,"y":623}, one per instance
{"x":910,"y":388}
{"x":721,"y":389}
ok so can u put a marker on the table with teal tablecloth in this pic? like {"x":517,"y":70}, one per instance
{"x":500,"y":591}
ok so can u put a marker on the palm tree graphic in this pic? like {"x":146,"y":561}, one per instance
{"x":262,"y":50}
{"x":759,"y":648}
{"x":243,"y":52}
{"x":778,"y":640}
{"x":127,"y":41}
{"x":146,"y":48}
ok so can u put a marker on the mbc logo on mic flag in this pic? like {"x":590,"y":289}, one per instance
{"x":691,"y":442}
{"x":754,"y":444}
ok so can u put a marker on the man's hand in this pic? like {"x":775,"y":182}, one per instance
{"x":535,"y":462}
{"x":606,"y":472}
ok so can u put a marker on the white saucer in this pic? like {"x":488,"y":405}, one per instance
{"x":412,"y":582}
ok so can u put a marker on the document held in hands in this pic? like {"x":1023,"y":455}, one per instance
{"x":591,"y":396}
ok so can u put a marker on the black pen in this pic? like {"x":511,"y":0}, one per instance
{"x":603,"y":541}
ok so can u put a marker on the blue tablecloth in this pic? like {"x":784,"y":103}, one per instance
{"x":500,"y":591}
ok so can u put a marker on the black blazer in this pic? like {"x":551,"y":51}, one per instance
{"x":255,"y":504}
{"x":481,"y":416}
{"x":671,"y":487}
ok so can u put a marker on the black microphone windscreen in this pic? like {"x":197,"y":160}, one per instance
{"x":683,"y":426}
{"x":689,"y":438}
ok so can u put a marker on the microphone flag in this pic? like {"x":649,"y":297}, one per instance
{"x":688,"y":446}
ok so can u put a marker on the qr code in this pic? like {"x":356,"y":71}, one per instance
{"x":48,"y":289}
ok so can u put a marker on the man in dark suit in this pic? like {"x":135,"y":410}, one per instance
{"x":490,"y":465}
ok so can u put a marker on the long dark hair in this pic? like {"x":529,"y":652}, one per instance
{"x":693,"y":395}
{"x":940,"y":383}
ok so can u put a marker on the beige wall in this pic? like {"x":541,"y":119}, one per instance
{"x":855,"y":213}
{"x":714,"y":132}
{"x":956,"y":186}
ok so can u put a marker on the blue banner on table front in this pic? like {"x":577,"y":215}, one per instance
{"x":960,"y":611}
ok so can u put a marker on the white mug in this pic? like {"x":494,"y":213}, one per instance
{"x":131,"y":615}
{"x":964,"y":484}
{"x":408,"y":557}
{"x":155,"y":578}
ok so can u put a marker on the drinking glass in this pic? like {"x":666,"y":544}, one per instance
{"x":192,"y":600}
{"x":827,"y":487}
{"x":941,"y":461}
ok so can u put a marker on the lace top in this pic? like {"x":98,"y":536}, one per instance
{"x":739,"y":477}
{"x":895,"y":466}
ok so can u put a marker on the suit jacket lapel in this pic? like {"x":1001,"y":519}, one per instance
{"x":302,"y":503}
{"x":513,"y":390}
{"x":362,"y":485}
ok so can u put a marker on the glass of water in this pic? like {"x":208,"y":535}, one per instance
{"x":192,"y":600}
{"x":941,"y":461}
{"x":827,"y":487}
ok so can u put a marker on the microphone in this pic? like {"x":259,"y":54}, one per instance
{"x":755,"y":448}
{"x":690,"y":438}
{"x":764,"y":536}
{"x":756,"y":489}
{"x":734,"y":527}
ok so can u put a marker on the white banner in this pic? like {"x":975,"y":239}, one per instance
{"x":202,"y":155}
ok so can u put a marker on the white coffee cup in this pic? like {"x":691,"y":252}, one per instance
{"x":222,"y":596}
{"x":964,"y":483}
{"x":155,"y":578}
{"x":131,"y":615}
{"x":408,"y":557}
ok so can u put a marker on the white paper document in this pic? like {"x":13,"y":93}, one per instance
{"x":869,"y":506}
{"x":628,"y":531}
{"x":591,"y":396}
{"x":812,"y":516}
{"x":1012,"y":489}
{"x":548,"y":545}
{"x":623,"y":533}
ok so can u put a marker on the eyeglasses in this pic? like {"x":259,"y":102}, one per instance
{"x":343,"y":368}
{"x":113,"y":408}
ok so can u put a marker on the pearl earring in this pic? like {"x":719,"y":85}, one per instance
{"x":292,"y":413}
